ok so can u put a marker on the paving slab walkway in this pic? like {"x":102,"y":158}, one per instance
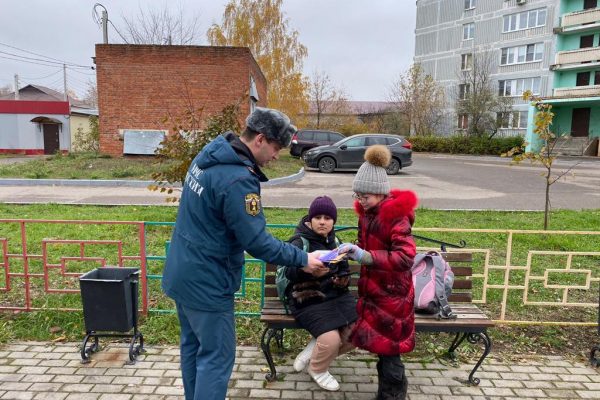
{"x":49,"y":371}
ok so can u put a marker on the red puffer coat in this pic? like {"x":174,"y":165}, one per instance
{"x":386,"y":319}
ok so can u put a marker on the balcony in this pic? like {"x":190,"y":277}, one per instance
{"x":578,"y":56}
{"x":579,"y":18}
{"x":577,"y":91}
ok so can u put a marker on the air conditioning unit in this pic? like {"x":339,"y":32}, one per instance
{"x":521,"y":2}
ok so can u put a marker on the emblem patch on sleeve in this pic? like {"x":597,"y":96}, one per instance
{"x":253,"y":204}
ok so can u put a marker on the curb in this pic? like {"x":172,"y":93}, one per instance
{"x":122,"y":183}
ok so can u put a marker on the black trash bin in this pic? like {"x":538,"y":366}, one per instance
{"x":110,"y":304}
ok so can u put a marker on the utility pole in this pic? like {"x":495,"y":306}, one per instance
{"x":16,"y":86}
{"x":65,"y":97}
{"x":105,"y":26}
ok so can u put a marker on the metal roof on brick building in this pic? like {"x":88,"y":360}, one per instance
{"x":43,"y":93}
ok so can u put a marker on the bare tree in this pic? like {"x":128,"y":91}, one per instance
{"x":326,"y":98}
{"x":7,"y":89}
{"x":477,"y":97}
{"x":420,"y":99}
{"x":91,"y":94}
{"x":162,"y":26}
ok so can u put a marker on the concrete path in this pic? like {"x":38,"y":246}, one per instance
{"x":34,"y":370}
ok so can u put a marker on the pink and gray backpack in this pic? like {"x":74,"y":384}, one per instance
{"x":433,"y":279}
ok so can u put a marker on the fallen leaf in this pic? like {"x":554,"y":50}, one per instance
{"x":55,"y":329}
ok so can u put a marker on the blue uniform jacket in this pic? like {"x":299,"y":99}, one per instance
{"x":220,"y":216}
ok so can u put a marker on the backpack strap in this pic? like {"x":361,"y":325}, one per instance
{"x":284,"y":300}
{"x":440,"y":290}
{"x":419,"y":257}
{"x":304,"y":244}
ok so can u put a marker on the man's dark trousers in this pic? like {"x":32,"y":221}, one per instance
{"x":207,"y":352}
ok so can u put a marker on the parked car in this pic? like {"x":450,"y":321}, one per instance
{"x":349,"y":153}
{"x":306,"y":139}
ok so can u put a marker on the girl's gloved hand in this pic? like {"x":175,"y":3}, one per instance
{"x":354,"y":252}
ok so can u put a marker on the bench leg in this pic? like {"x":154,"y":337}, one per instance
{"x":473,"y":338}
{"x":595,"y":359}
{"x":265,"y":345}
{"x":458,"y":339}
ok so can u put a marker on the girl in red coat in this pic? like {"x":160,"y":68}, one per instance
{"x":385,"y":249}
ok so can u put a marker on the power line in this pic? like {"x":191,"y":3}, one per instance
{"x":81,"y":72}
{"x":41,"y":77}
{"x":72,"y":79}
{"x":55,"y":82}
{"x":41,"y":55}
{"x":115,"y":28}
{"x":30,"y":62}
{"x":42,"y":60}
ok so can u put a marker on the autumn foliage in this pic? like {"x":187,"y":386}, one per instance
{"x":187,"y":138}
{"x":262,"y":26}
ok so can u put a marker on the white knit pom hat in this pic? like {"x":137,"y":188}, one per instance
{"x":372,"y":176}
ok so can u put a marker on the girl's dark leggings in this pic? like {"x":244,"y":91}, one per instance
{"x":393,"y":384}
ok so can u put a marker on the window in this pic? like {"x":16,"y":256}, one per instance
{"x":466,"y":62}
{"x":586,"y":41}
{"x":524,"y":20}
{"x":376,"y":140}
{"x":587,"y":4}
{"x":463,"y":121}
{"x":523,"y":116}
{"x":335,"y":137}
{"x":321,"y":137}
{"x":597,"y":78}
{"x":516,"y":87}
{"x":463,"y":91}
{"x":469,"y":31}
{"x":308,"y":135}
{"x":512,"y":120}
{"x":522,"y":54}
{"x":469,"y":4}
{"x":391,"y":141}
{"x":583,"y":79}
{"x":356,"y":142}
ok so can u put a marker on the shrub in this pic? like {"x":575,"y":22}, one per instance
{"x":458,"y":144}
{"x":88,"y":140}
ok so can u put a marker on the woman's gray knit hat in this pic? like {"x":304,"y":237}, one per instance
{"x":272,"y":123}
{"x":371,"y":176}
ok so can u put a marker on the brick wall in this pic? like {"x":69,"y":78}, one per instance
{"x":138,"y":85}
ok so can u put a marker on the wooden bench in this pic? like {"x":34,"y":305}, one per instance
{"x":471,"y":323}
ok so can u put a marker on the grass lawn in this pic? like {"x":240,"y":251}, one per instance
{"x":94,"y":166}
{"x":163,"y":327}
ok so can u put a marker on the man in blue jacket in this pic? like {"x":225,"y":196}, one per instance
{"x":220,"y":216}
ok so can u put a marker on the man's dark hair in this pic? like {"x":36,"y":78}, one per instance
{"x":249,"y":134}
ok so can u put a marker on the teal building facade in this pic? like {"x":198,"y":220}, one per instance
{"x":575,"y":96}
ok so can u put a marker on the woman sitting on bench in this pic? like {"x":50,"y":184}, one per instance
{"x":321,"y":304}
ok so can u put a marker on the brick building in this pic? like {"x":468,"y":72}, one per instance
{"x":138,"y":85}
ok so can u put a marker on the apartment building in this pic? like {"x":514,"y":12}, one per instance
{"x":550,"y":47}
{"x":575,"y":96}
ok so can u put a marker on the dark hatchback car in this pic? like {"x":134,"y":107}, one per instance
{"x":307,"y":139}
{"x":349,"y":153}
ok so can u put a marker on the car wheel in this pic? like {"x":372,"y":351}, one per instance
{"x":393,"y":168}
{"x":302,"y":153}
{"x":326,"y":165}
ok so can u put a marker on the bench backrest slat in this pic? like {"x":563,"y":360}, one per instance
{"x":459,"y":261}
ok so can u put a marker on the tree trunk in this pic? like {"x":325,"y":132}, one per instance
{"x":547,"y":203}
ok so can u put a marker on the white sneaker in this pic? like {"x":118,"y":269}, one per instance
{"x":325,"y":380}
{"x":304,"y":357}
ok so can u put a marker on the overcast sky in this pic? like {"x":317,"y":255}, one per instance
{"x":362,"y":45}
